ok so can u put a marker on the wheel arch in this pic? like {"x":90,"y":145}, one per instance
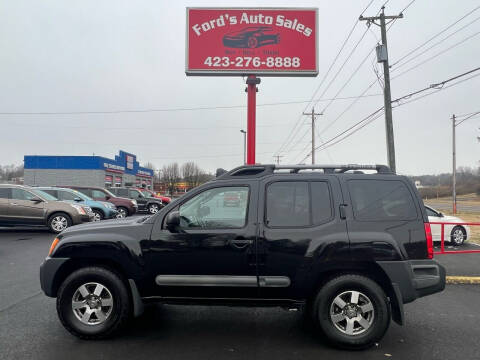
{"x":74,"y":264}
{"x":370,"y":270}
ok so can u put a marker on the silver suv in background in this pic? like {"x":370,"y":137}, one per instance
{"x":26,"y":206}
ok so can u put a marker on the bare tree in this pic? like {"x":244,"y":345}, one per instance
{"x":171,"y":176}
{"x":149,"y":165}
{"x":193,"y":175}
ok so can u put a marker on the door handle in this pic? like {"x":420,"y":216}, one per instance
{"x":15,"y":204}
{"x":240,"y":243}
{"x":343,"y":215}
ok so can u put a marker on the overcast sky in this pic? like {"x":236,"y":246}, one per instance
{"x":61,"y":56}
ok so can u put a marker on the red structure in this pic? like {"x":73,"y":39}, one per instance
{"x":252,"y":82}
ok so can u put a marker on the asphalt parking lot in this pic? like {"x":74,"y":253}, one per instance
{"x":442,"y":326}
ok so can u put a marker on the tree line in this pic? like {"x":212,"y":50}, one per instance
{"x":172,"y":174}
{"x":468,"y":182}
{"x":9,"y":172}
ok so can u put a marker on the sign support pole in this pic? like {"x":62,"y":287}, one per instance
{"x":252,"y":82}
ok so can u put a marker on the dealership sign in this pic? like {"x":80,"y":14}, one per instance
{"x":260,"y":41}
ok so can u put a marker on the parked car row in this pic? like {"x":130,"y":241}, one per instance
{"x":61,"y":207}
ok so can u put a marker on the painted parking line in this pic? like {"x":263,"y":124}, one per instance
{"x":463,"y":280}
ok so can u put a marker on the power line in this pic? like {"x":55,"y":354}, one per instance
{"x":436,"y":55}
{"x":468,"y":117}
{"x":371,"y":117}
{"x":174,"y":109}
{"x":298,"y":122}
{"x":437,"y":43}
{"x":435,"y":36}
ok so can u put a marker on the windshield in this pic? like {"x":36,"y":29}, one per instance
{"x":80,"y":195}
{"x":108,"y":193}
{"x":44,"y":195}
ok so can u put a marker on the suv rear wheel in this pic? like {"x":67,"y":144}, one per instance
{"x":458,"y":235}
{"x":93,"y":303}
{"x":59,"y":222}
{"x":352,"y":311}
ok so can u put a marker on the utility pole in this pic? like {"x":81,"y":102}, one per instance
{"x":313,"y":132}
{"x":382,"y":56}
{"x":454,"y":172}
{"x":244,"y":146}
{"x":278,"y":158}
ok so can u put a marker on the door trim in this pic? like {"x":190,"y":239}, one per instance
{"x":222,"y":280}
{"x":206,"y":280}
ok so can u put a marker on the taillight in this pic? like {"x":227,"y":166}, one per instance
{"x":429,"y":238}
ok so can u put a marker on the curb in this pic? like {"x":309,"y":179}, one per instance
{"x":463,"y":280}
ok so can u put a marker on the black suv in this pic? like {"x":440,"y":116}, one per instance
{"x":350,"y":248}
{"x":145,"y":203}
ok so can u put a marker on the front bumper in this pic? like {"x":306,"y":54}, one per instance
{"x":111,"y":214}
{"x":415,"y":278}
{"x":48,"y":270}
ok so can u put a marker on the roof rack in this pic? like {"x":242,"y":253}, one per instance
{"x":262,"y":170}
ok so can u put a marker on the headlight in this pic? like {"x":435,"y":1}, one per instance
{"x":79,"y":209}
{"x":134,"y":202}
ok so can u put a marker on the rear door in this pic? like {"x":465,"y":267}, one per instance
{"x":300,"y":232}
{"x":22,"y":210}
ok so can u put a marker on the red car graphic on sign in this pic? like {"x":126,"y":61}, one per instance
{"x":251,"y":37}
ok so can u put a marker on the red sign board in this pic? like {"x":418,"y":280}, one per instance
{"x":260,"y":41}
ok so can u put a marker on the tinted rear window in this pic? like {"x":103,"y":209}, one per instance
{"x":4,"y":193}
{"x":374,"y":200}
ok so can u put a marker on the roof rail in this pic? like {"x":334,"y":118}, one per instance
{"x":262,"y":170}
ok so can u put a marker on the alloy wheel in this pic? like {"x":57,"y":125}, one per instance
{"x":92,"y":303}
{"x":97,"y":216}
{"x":59,"y":223}
{"x":457,"y":236}
{"x":122,"y":213}
{"x":352,"y":312}
{"x":153,"y":208}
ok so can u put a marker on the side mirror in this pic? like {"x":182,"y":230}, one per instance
{"x":78,"y":199}
{"x":36,"y":200}
{"x":107,"y":197}
{"x":440,"y":214}
{"x":173,"y":220}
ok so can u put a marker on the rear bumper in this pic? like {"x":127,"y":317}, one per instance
{"x":415,"y":278}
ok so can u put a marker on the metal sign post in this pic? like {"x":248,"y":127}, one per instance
{"x":252,"y":82}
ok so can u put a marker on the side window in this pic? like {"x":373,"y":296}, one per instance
{"x":4,"y":193}
{"x":122,"y":192}
{"x":20,"y":194}
{"x":97,"y":194}
{"x":218,"y":208}
{"x":321,"y":202}
{"x":53,"y":193}
{"x":65,"y":195}
{"x":431,"y":212}
{"x":288,"y":204}
{"x":375,"y":200}
{"x":133,"y":194}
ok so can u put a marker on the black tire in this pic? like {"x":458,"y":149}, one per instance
{"x":53,"y":221}
{"x":122,"y":212}
{"x":98,"y":215}
{"x":153,"y":208}
{"x":380,"y":318}
{"x":456,"y":240}
{"x":120,"y":310}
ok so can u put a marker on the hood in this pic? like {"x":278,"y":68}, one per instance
{"x":104,"y":226}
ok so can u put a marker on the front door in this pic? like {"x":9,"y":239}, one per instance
{"x":138,"y":196}
{"x":4,"y":195}
{"x":301,"y":233}
{"x":212,"y":253}
{"x":22,"y":210}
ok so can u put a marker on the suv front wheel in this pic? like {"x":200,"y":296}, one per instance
{"x":93,"y":303}
{"x":352,"y":311}
{"x":59,"y":222}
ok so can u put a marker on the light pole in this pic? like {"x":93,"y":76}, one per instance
{"x":244,"y":146}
